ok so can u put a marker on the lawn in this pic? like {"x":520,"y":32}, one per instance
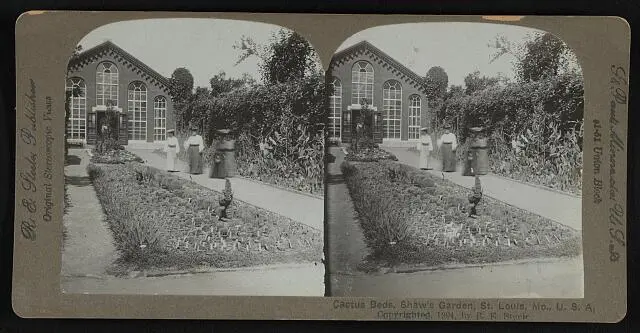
{"x":162,"y":221}
{"x":411,"y":217}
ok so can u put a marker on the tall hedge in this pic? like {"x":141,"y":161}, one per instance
{"x":512,"y":108}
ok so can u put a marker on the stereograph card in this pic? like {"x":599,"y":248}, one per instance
{"x":312,"y":166}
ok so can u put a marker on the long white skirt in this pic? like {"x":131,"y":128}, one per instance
{"x":425,"y":155}
{"x":171,"y":160}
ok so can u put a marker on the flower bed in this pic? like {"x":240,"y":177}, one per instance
{"x":410,"y":217}
{"x":115,"y":156}
{"x":163,"y":221}
{"x":371,"y":154}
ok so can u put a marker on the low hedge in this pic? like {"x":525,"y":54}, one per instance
{"x":163,"y":221}
{"x":411,"y":217}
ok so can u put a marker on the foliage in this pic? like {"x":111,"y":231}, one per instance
{"x":370,"y":154}
{"x":181,"y":84}
{"x":554,"y":161}
{"x":220,"y":84}
{"x":436,"y":81}
{"x":288,"y":57}
{"x":108,"y":132}
{"x":115,"y":156}
{"x":277,"y":124}
{"x":290,"y":156}
{"x":542,"y":56}
{"x":474,"y":82}
{"x":411,"y":217}
{"x":181,"y":91}
{"x":278,"y":131}
{"x":164,"y":221}
{"x":546,"y":114}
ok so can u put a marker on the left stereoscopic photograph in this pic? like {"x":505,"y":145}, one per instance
{"x":194,"y":161}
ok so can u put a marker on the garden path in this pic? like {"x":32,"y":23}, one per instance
{"x":557,"y":206}
{"x":347,"y":247}
{"x":559,"y":278}
{"x":89,"y":248}
{"x":291,"y":280}
{"x":303,"y":208}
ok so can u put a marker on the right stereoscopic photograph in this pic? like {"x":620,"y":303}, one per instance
{"x":455,"y":163}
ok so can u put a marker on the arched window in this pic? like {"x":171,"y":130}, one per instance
{"x":391,"y":109}
{"x":362,"y":82}
{"x":137,"y":110}
{"x":159,"y":118}
{"x":107,"y":84}
{"x":415,"y":110}
{"x":77,"y":127}
{"x":335,"y":103}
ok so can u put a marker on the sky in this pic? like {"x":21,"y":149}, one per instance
{"x":205,"y":46}
{"x":459,"y":48}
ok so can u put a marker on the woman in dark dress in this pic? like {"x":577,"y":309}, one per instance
{"x":194,"y":146}
{"x":448,"y":144}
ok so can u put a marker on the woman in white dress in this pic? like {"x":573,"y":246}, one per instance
{"x":172,"y":148}
{"x":425,"y":148}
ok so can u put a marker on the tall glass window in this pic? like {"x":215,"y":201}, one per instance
{"x":415,"y":109}
{"x":362,"y":82}
{"x":107,"y":84}
{"x":335,"y":104}
{"x":137,"y":110}
{"x":77,"y":127}
{"x":160,"y":118}
{"x":391,"y":109}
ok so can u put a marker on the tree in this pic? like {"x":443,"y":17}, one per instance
{"x":288,"y":57}
{"x":199,"y":107}
{"x":543,"y":55}
{"x":455,"y":91}
{"x":436,"y":81}
{"x":181,"y":90}
{"x":220,"y":84}
{"x":474,"y":82}
{"x":181,"y":84}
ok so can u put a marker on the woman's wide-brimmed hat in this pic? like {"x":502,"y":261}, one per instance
{"x":447,"y":126}
{"x":194,"y":128}
{"x":171,"y":131}
{"x":424,"y":129}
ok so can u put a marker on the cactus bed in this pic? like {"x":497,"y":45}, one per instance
{"x":410,"y":217}
{"x":162,"y":221}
